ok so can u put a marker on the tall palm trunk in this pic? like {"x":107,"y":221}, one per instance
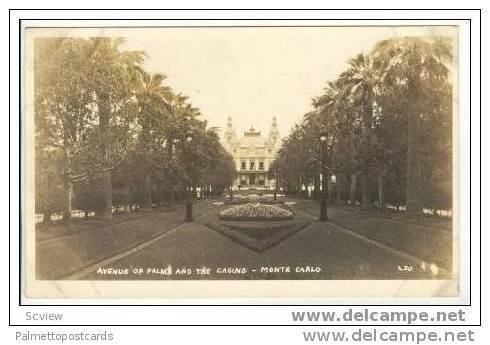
{"x":127,"y":191}
{"x":366,"y":200}
{"x":170,"y":152}
{"x":381,"y":197}
{"x":146,"y":145}
{"x":413,"y":193}
{"x":353,"y":188}
{"x":148,"y":187}
{"x":105,"y":183}
{"x":105,"y":180}
{"x":340,"y":185}
{"x":68,"y":185}
{"x":365,"y":190}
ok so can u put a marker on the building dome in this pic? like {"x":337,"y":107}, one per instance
{"x":258,"y":141}
{"x":252,"y":137}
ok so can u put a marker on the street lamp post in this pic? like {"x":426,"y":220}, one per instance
{"x":188,"y":206}
{"x":186,"y":140}
{"x":230,"y":189}
{"x":277,"y":186}
{"x":188,"y":203}
{"x":323,"y":200}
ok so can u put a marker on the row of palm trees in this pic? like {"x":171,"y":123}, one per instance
{"x":108,"y":133}
{"x":387,"y":123}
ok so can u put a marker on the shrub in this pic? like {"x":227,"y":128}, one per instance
{"x":271,"y":201}
{"x":237,"y":201}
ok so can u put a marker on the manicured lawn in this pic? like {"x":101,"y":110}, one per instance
{"x":424,"y":237}
{"x":59,"y":257}
{"x":57,"y":229}
{"x":282,"y":251}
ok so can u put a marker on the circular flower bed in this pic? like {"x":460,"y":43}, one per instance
{"x":255,"y":211}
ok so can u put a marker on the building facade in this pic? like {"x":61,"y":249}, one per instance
{"x":253,"y":154}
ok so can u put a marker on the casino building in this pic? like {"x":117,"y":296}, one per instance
{"x":253,"y":154}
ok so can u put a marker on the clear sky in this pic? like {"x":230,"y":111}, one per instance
{"x":252,"y":74}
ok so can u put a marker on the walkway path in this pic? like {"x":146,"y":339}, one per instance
{"x":354,"y":246}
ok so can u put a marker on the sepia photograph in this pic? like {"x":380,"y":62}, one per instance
{"x":260,"y":153}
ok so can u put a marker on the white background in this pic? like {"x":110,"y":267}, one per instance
{"x":230,"y":315}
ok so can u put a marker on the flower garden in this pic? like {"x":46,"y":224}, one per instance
{"x":262,"y":199}
{"x":255,"y":212}
{"x":256,"y":225}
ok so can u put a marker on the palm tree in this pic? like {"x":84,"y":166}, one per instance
{"x":408,"y":64}
{"x":113,"y":85}
{"x":152,"y":98}
{"x":359,"y":85}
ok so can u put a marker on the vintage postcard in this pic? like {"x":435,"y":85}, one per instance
{"x":241,"y":161}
